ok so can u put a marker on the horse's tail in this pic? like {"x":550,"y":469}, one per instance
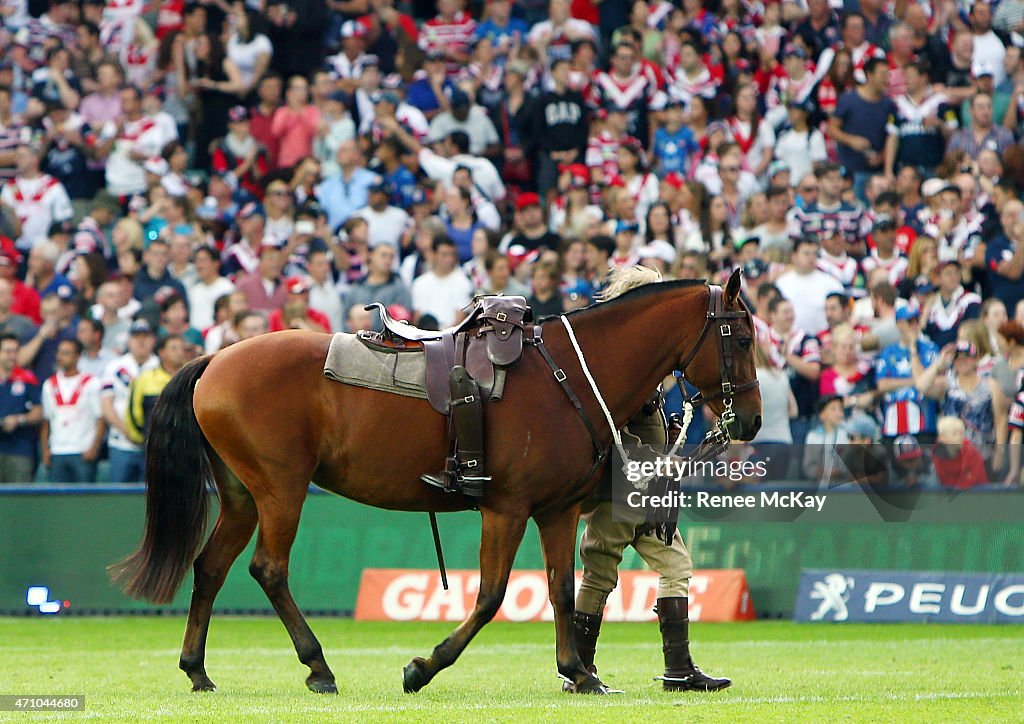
{"x":177,"y":472}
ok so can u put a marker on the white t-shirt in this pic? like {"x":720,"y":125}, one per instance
{"x":478,"y":126}
{"x":116,"y":380}
{"x":125,"y":175}
{"x":807,"y":292}
{"x":72,"y":406}
{"x":245,"y":55}
{"x":484,"y":174}
{"x":326,"y":298}
{"x":800,"y":151}
{"x":201,"y":297}
{"x":775,"y":392}
{"x":441,"y":297}
{"x":39,"y":203}
{"x":97,"y":365}
{"x":385,"y":227}
{"x":989,"y":50}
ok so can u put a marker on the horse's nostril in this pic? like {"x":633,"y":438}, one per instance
{"x":757,"y":424}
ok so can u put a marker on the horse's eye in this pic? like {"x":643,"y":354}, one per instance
{"x":745,"y":343}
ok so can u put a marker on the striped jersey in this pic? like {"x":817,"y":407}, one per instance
{"x":440,"y":35}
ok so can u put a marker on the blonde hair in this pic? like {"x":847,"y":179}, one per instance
{"x":762,"y":360}
{"x":917,"y":251}
{"x":132,"y":231}
{"x":626,"y":278}
{"x":949,"y":426}
{"x":843,"y":333}
{"x":975,"y":332}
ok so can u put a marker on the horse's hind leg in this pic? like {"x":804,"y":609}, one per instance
{"x":558,"y":540}
{"x":279,"y":520}
{"x":500,"y":538}
{"x":232,"y":532}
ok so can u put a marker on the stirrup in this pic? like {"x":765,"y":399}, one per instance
{"x":443,"y":480}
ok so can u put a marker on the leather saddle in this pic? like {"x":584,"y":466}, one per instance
{"x":460,"y":375}
{"x":490,"y":336}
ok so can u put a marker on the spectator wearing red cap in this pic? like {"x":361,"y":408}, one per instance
{"x":531,"y":229}
{"x":296,"y":313}
{"x":571,"y":212}
{"x":266,"y":290}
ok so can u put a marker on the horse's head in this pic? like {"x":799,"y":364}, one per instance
{"x":721,"y":364}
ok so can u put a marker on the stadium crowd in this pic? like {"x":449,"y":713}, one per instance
{"x":178,"y":176}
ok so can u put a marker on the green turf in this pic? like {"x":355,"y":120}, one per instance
{"x":127,"y":669}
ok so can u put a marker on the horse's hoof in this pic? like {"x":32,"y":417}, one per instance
{"x":321,"y":686}
{"x":206,"y":685}
{"x":414,"y":676}
{"x":592,"y":685}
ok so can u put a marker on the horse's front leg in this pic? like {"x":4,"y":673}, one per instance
{"x":558,"y":541}
{"x":500,"y":537}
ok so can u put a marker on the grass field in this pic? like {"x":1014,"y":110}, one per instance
{"x":127,"y":670}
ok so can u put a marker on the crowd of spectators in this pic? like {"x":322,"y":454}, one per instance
{"x":179,"y":176}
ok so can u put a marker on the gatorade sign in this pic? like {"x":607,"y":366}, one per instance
{"x":388,"y":594}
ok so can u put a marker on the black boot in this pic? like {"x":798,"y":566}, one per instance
{"x":465,"y":472}
{"x":586,"y":628}
{"x":681,"y":674}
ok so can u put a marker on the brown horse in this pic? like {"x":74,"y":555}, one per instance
{"x":261,"y":420}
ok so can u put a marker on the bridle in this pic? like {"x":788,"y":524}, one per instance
{"x":719,"y":317}
{"x":716,"y":439}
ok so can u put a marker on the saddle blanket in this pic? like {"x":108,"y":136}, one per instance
{"x":351,"y":362}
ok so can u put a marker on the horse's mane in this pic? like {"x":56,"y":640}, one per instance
{"x":639,"y":292}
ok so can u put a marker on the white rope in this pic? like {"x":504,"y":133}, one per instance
{"x":687,"y":418}
{"x":593,"y":386}
{"x":616,"y":435}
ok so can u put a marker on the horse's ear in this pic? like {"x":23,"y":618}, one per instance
{"x":732,"y":289}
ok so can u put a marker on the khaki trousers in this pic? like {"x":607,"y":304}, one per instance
{"x":601,"y":549}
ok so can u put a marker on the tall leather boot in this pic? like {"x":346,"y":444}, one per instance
{"x":586,"y":628}
{"x":681,"y":674}
{"x":468,"y":421}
